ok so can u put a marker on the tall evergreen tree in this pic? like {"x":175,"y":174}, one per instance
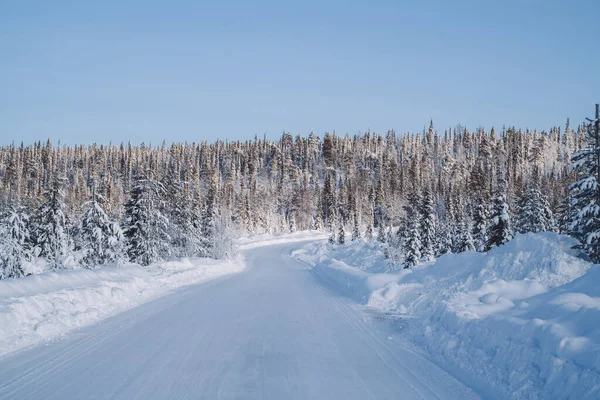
{"x":14,"y":242}
{"x":480,"y":220}
{"x":412,"y":243}
{"x":341,"y":238}
{"x":355,"y":227}
{"x":99,"y":240}
{"x":499,"y":229}
{"x":535,"y":214}
{"x":465,"y":240}
{"x":427,"y":226}
{"x":146,"y":228}
{"x":53,"y":241}
{"x":585,"y":192}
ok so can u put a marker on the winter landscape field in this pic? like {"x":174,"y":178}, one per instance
{"x":299,"y":200}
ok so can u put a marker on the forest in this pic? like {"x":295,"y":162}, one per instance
{"x":420,"y":195}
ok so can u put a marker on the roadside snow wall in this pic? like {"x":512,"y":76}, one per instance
{"x":524,"y":318}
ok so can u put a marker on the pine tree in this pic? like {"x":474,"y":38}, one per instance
{"x":331,"y":239}
{"x":99,"y":240}
{"x":176,"y":207}
{"x":369,"y":232}
{"x":194,"y":228}
{"x":146,"y":228}
{"x":53,"y":241}
{"x":210,"y":228}
{"x":318,"y":216}
{"x":585,"y":192}
{"x":499,"y":229}
{"x":443,"y":240}
{"x":427,"y":226}
{"x":341,"y":239}
{"x":535,"y":214}
{"x":355,"y":227}
{"x":412,"y":244}
{"x":14,"y":243}
{"x":479,"y":230}
{"x":465,"y":240}
{"x":564,"y":216}
{"x":381,"y":234}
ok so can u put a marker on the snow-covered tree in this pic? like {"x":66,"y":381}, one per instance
{"x":465,"y":240}
{"x":99,"y":240}
{"x":216,"y":241}
{"x":444,"y":238}
{"x":369,"y":231}
{"x":564,"y":212}
{"x":427,"y":226}
{"x":355,"y":227}
{"x":53,"y":241}
{"x":535,"y":214}
{"x":412,"y":238}
{"x":341,"y":237}
{"x":499,"y":229}
{"x":479,"y":229}
{"x":381,"y":234}
{"x":14,"y":243}
{"x":585,"y":192}
{"x":318,"y":216}
{"x":146,"y":228}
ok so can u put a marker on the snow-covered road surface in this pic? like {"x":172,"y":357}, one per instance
{"x":272,"y":332}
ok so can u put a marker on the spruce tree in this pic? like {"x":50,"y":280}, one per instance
{"x":52,"y":241}
{"x":427,"y":226}
{"x":14,"y":242}
{"x":465,"y":240}
{"x":99,"y":240}
{"x":585,"y":192}
{"x":146,"y":228}
{"x":341,"y":238}
{"x":535,"y":214}
{"x":318,"y":215}
{"x":369,"y":232}
{"x":355,"y":227}
{"x":499,"y":229}
{"x":381,"y":234}
{"x":412,"y":244}
{"x":479,"y":229}
{"x":563,"y":222}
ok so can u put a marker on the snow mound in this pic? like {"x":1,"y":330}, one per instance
{"x":46,"y":306}
{"x":524,"y":317}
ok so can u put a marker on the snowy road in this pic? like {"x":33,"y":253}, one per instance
{"x":272,"y":332}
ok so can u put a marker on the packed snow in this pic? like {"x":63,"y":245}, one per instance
{"x":522,"y":318}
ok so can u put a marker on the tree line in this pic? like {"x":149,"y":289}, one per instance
{"x":420,"y":194}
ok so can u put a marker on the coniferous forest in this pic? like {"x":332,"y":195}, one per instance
{"x":420,"y":195}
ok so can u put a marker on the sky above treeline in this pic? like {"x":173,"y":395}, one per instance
{"x":113,"y":71}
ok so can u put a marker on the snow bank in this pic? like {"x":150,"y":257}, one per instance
{"x":45,"y":306}
{"x":524,"y":317}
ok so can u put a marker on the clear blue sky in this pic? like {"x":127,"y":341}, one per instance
{"x":100,"y":71}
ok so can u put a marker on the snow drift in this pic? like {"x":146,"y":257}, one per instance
{"x":45,"y":306}
{"x":524,"y":317}
{"x":49,"y":304}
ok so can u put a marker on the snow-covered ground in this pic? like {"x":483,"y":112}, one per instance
{"x":519,"y":322}
{"x":523,"y":319}
{"x":271,"y":332}
{"x":42,"y":307}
